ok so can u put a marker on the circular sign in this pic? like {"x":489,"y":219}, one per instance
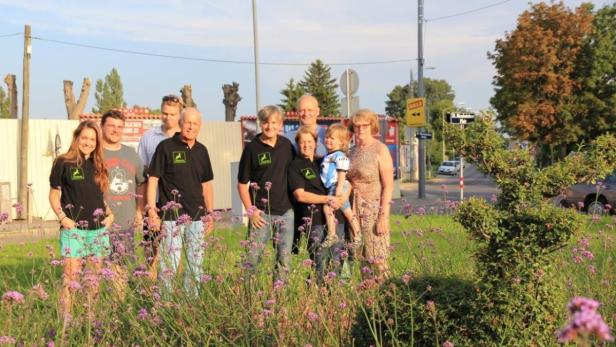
{"x":349,"y":82}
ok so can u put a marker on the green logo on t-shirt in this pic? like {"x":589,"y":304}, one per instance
{"x":264,"y":158}
{"x":77,"y":174}
{"x":309,"y":174}
{"x":179,"y":157}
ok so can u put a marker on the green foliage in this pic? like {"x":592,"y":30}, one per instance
{"x":319,"y":83}
{"x":109,"y":94}
{"x":4,"y":104}
{"x":597,"y":73}
{"x":291,"y":92}
{"x":518,"y":236}
{"x":395,"y":105}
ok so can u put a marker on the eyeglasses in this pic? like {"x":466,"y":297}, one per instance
{"x":361,"y":125}
{"x":173,"y":98}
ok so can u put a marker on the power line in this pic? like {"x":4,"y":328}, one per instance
{"x":179,"y":57}
{"x":468,"y":12}
{"x":9,"y":35}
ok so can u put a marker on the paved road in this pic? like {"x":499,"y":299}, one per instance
{"x":443,"y":187}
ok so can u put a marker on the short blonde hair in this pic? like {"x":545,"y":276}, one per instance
{"x":268,"y":111}
{"x":305,"y":130}
{"x":365,"y":114}
{"x":340,"y":132}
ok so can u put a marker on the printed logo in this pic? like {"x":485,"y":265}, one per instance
{"x":119,"y":183}
{"x":179,"y":157}
{"x":309,"y":174}
{"x":264,"y":158}
{"x":77,"y":174}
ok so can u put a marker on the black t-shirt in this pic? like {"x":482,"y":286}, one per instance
{"x":261,"y":163}
{"x":182,"y":169}
{"x":81,"y":196}
{"x":304,"y":174}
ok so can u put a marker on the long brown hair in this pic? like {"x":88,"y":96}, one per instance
{"x":73,"y":155}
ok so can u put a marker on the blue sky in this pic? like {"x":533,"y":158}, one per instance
{"x":338,"y":32}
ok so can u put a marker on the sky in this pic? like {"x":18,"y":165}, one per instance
{"x":291,"y":34}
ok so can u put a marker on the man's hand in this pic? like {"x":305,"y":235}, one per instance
{"x":257,"y":220}
{"x":108,"y":221}
{"x":138,"y":219}
{"x":335,"y":202}
{"x":153,"y":220}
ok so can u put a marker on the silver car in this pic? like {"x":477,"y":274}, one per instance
{"x":449,"y":167}
{"x":592,"y":198}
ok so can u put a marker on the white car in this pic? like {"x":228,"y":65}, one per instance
{"x":449,"y":167}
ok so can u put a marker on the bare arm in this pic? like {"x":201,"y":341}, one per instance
{"x":340,"y":183}
{"x":140,"y":198}
{"x":208,"y":199}
{"x":56,"y":205}
{"x":386,"y":174}
{"x":153,"y":219}
{"x":255,"y":217}
{"x":310,"y":198}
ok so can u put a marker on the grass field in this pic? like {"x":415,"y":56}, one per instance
{"x":229,"y":312}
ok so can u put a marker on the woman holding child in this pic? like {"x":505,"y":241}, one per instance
{"x":308,"y":189}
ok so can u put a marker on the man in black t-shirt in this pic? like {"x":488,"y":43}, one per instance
{"x":181,"y":173}
{"x":262,"y":186}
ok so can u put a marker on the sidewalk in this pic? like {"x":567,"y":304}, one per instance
{"x":409,"y":194}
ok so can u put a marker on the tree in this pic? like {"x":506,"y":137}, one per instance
{"x":291,"y":92}
{"x":319,"y":83}
{"x":109,"y":93}
{"x":4,"y":105}
{"x":597,"y":75}
{"x":75,"y":108}
{"x":395,"y":105}
{"x":535,"y":74}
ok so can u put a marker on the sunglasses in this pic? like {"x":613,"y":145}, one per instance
{"x":173,"y":98}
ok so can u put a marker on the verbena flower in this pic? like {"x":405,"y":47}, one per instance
{"x":447,"y":344}
{"x":268,"y":185}
{"x":7,"y":340}
{"x":13,"y":296}
{"x":98,"y":212}
{"x":585,"y":322}
{"x":184,"y":219}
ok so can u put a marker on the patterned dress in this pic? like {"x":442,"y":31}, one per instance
{"x":365,"y":178}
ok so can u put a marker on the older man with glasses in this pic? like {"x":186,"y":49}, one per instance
{"x":171,"y":107}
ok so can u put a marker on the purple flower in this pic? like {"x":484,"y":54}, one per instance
{"x":254,"y":185}
{"x":580,"y":205}
{"x":270,"y":302}
{"x":493,"y":198}
{"x":143,"y":314}
{"x":205,"y":278}
{"x":268,"y":185}
{"x":278,"y":284}
{"x":307,"y":262}
{"x":4,"y":217}
{"x":251,"y":211}
{"x":7,"y":340}
{"x":98,"y":212}
{"x":184,"y":219}
{"x":19,"y":208}
{"x":447,"y":344}
{"x":312,"y":316}
{"x":585,"y":321}
{"x":406,"y":278}
{"x":174,"y":192}
{"x":13,"y":296}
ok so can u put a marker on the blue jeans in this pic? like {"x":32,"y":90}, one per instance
{"x":328,"y":259}
{"x":175,"y":241}
{"x":280,"y":230}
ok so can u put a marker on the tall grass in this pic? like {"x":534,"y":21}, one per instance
{"x":429,"y":253}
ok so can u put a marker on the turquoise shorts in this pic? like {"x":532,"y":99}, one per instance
{"x":77,"y":243}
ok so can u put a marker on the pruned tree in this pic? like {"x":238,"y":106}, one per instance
{"x":186,"y":93}
{"x":109,"y":93}
{"x":4,"y":105}
{"x":75,"y":108}
{"x":231,"y":99}
{"x":535,"y":74}
{"x":319,"y":83}
{"x":291,"y":93}
{"x":11,"y":87}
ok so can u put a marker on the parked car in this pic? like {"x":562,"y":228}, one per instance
{"x":458,"y":163}
{"x":592,"y":198}
{"x":449,"y":167}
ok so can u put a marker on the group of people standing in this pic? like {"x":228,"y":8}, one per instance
{"x":101,"y":190}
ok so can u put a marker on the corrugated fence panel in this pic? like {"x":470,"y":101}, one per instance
{"x":9,"y":142}
{"x":223,"y":140}
{"x":40,"y":158}
{"x":224,"y":144}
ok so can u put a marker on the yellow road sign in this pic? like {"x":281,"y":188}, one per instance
{"x":415,"y":112}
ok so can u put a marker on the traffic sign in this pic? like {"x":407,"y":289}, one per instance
{"x":460,"y":118}
{"x":424,"y":136}
{"x":415,"y":112}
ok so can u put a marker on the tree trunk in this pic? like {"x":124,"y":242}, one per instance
{"x":186,"y":92}
{"x":74,"y":109}
{"x":11,"y":85}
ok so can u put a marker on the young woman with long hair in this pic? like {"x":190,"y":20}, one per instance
{"x":78,"y":182}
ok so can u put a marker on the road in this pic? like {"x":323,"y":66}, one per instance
{"x":443,"y":187}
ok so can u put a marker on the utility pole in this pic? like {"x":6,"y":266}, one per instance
{"x":410,"y":137}
{"x":420,"y":94}
{"x":25,"y":122}
{"x":256,"y":52}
